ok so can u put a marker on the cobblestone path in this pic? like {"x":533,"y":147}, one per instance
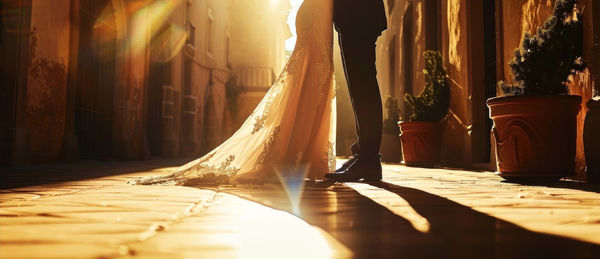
{"x":88,"y":210}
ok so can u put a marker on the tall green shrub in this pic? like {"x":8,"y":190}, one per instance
{"x":431,"y":104}
{"x":544,"y":62}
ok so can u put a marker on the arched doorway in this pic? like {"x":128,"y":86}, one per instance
{"x":95,"y":78}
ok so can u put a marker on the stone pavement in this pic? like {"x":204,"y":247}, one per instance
{"x":87,"y":210}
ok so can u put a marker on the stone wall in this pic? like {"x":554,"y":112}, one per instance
{"x":147,"y":34}
{"x":47,"y":79}
{"x":455,"y":138}
{"x":461,"y":31}
{"x":257,"y":49}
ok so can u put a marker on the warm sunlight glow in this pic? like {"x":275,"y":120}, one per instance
{"x":167,"y":43}
{"x":394,"y":203}
{"x":263,"y":232}
{"x":454,"y":28}
{"x":291,"y":42}
{"x":148,"y":22}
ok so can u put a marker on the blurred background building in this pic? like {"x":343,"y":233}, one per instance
{"x":132,"y":79}
{"x":135,"y":79}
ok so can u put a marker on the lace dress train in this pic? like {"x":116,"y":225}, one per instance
{"x":292,"y":130}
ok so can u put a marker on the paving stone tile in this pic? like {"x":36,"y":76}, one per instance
{"x":468,"y":214}
{"x":56,"y":250}
{"x":27,"y":221}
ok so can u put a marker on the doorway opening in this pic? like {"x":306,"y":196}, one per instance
{"x":490,"y":76}
{"x":95,"y":79}
{"x":484,"y":51}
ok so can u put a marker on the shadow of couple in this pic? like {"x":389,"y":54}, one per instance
{"x":363,"y":217}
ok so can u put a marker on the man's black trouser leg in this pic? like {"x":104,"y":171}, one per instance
{"x":358,"y":54}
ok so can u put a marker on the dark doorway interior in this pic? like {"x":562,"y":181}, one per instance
{"x":95,"y":79}
{"x":158,"y":70}
{"x":407,"y":55}
{"x":15,"y":29}
{"x":159,"y":77}
{"x":433,"y":24}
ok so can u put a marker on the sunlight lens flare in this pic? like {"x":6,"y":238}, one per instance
{"x":167,"y":43}
{"x":292,"y":179}
{"x":148,"y":21}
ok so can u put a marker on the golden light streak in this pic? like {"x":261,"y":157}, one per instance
{"x":148,"y":21}
{"x":394,"y":203}
{"x":149,"y":29}
{"x":167,"y":43}
{"x":454,"y":33}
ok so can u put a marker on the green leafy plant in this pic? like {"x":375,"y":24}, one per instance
{"x":545,"y":61}
{"x":432,"y":103}
{"x":390,"y":124}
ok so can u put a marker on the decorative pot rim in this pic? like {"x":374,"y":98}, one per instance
{"x":520,"y":99}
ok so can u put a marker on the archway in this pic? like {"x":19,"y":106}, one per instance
{"x":94,"y":88}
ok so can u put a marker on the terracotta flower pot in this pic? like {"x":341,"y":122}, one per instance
{"x":420,"y":142}
{"x":535,"y":135}
{"x":390,"y":150}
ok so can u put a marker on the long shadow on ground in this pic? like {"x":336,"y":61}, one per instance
{"x":29,"y":175}
{"x":456,"y":231}
{"x":472,"y":234}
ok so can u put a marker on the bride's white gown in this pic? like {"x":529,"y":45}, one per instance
{"x":291,"y":131}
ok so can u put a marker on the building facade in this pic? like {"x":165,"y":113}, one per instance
{"x":121,"y":79}
{"x":477,"y":40}
{"x":257,"y":50}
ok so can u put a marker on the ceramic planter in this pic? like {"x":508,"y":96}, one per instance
{"x":390,"y":150}
{"x":420,"y":142}
{"x":535,"y":135}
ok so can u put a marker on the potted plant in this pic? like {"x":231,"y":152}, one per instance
{"x":535,"y":121}
{"x":421,"y":134}
{"x":390,"y":140}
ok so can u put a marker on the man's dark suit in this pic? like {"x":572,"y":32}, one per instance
{"x":359,"y":16}
{"x":359,"y":23}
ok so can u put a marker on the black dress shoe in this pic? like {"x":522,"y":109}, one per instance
{"x":366,"y":169}
{"x":347,"y":164}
